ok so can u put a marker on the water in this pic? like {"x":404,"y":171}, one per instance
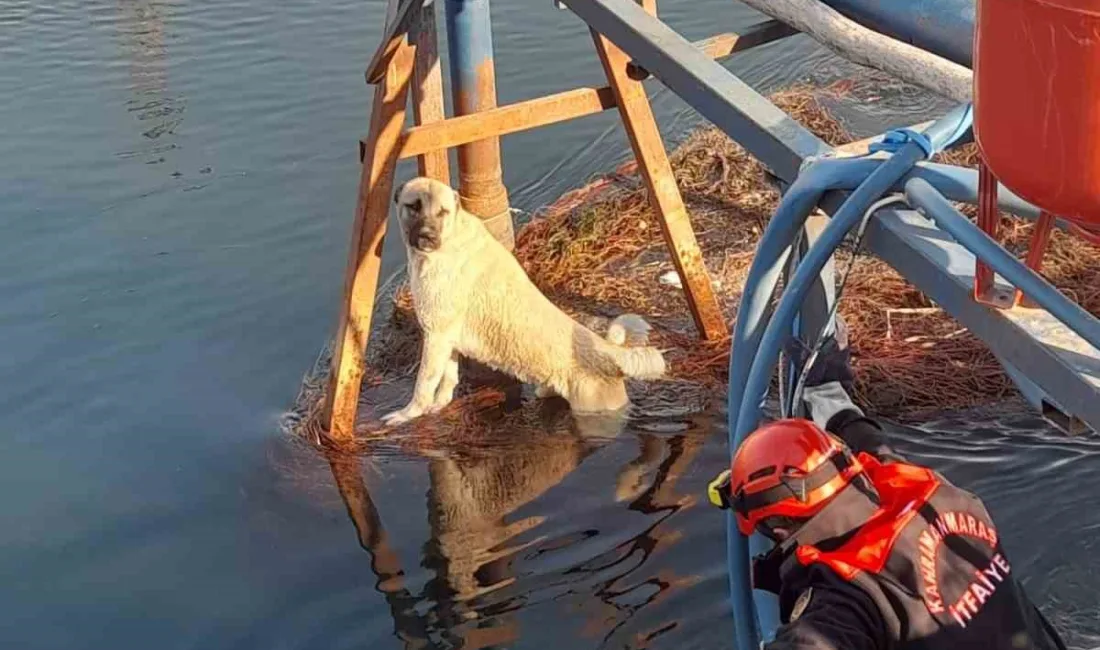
{"x":176,"y":185}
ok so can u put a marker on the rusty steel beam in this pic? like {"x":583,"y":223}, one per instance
{"x":664,"y":195}
{"x":365,"y":257}
{"x":559,"y":107}
{"x":503,"y":120}
{"x":427,"y":91}
{"x":397,"y":19}
{"x":776,"y":139}
{"x":1036,"y":250}
{"x":989,"y":220}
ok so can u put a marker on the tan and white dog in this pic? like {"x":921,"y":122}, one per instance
{"x":472,"y":298}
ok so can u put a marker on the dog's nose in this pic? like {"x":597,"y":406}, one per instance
{"x":425,"y":239}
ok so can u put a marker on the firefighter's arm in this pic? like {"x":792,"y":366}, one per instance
{"x":832,"y":410}
{"x":832,"y":619}
{"x":826,"y":398}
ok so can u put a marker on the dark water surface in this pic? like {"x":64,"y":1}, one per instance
{"x":176,"y":185}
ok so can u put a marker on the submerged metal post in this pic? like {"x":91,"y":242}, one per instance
{"x":473,"y":87}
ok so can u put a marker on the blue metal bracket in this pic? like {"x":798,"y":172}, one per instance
{"x":1057,"y":361}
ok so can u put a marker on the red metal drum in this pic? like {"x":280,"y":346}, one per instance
{"x":1037,"y":101}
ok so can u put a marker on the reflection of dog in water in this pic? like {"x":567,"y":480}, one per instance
{"x":472,"y":298}
{"x":478,"y":489}
{"x":488,"y":549}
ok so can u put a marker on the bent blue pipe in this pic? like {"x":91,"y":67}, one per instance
{"x":755,"y":388}
{"x":926,"y":200}
{"x":957,"y":184}
{"x":760,"y":285}
{"x":805,"y":193}
{"x":850,"y":214}
{"x":877,"y":176}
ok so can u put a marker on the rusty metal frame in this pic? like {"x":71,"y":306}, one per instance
{"x":408,"y":60}
{"x":368,"y":230}
{"x":642,"y":43}
{"x":664,"y":195}
{"x":769,"y":134}
{"x":394,"y":34}
{"x":563,"y":106}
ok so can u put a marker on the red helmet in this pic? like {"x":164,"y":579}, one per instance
{"x":788,"y":468}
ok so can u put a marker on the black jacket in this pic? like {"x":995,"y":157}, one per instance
{"x":945,"y":582}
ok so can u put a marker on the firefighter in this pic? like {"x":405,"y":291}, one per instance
{"x":871,"y":552}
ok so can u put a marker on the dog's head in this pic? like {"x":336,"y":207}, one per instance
{"x":426,"y":210}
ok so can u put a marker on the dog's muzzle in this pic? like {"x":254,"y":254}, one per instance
{"x":423,"y":238}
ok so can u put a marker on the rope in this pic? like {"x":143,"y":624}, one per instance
{"x":800,"y":386}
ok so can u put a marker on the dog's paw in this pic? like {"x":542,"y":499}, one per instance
{"x":399,"y":417}
{"x":441,"y":402}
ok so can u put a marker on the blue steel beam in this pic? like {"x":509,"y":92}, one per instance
{"x":1055,"y":359}
{"x":930,"y":203}
{"x":1044,"y":403}
{"x":769,"y":134}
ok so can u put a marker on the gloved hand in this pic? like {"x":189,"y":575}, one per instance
{"x":766,"y":569}
{"x":830,"y":378}
{"x":833,"y":362}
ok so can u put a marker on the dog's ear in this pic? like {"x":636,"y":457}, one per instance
{"x":397,"y":193}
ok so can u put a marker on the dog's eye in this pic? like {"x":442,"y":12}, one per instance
{"x":414,"y":206}
{"x":442,"y":213}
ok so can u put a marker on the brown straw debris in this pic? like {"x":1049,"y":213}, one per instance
{"x":598,"y":252}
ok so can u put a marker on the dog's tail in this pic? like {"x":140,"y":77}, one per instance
{"x":628,"y":336}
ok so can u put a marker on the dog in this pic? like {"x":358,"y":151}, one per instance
{"x":472,"y":298}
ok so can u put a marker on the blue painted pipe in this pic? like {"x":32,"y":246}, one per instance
{"x":473,"y":88}
{"x":926,"y":200}
{"x":942,"y":27}
{"x":775,"y":335}
{"x":873,"y":178}
{"x":470,"y":47}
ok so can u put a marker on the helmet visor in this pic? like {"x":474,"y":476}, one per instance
{"x":794,"y":487}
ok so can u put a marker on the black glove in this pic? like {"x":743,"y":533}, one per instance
{"x":767,"y":567}
{"x":833,"y":362}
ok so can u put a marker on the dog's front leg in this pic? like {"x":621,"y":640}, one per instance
{"x":446,"y":391}
{"x":435,"y":357}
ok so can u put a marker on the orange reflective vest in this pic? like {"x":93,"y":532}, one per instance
{"x":931,"y":560}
